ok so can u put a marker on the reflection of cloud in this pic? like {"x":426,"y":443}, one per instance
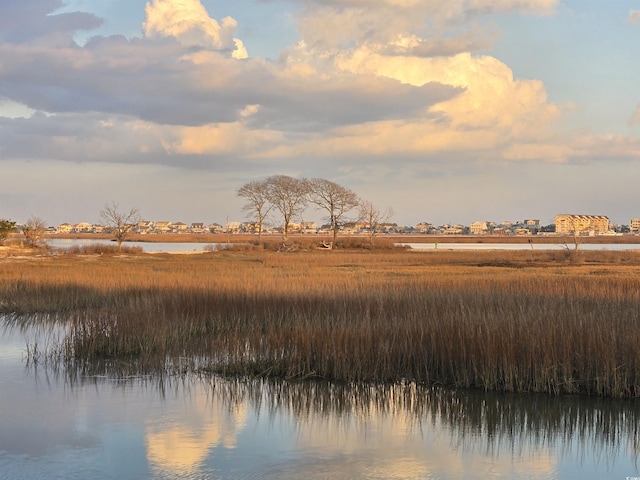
{"x":407,"y":447}
{"x":183,"y":446}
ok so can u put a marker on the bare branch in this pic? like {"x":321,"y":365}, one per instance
{"x":374,"y":218}
{"x":34,"y":231}
{"x":257,"y":202}
{"x":289,"y":196}
{"x":118,"y":222}
{"x":335,"y":199}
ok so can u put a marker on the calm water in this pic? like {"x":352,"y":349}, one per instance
{"x":520,"y":246}
{"x":178,"y":247}
{"x":59,"y":424}
{"x":150,"y":247}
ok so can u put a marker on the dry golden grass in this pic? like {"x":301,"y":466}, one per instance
{"x":513,"y":321}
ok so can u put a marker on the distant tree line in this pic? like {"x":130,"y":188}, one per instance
{"x":290,"y":197}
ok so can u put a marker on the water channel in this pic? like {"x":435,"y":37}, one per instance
{"x":57,"y":423}
{"x":190,"y":247}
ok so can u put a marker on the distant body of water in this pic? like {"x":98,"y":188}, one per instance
{"x":150,"y":247}
{"x":57,"y":423}
{"x":186,"y":247}
{"x":520,"y":246}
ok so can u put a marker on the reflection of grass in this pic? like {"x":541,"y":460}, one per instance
{"x":479,"y":421}
{"x":513,"y":321}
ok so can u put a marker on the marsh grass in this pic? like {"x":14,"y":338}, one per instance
{"x":510,"y":321}
{"x":100,"y":249}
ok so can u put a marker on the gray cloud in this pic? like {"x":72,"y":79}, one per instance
{"x":32,"y":20}
{"x":163,"y":82}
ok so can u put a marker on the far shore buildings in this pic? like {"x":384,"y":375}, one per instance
{"x":565,"y":224}
{"x":578,"y":224}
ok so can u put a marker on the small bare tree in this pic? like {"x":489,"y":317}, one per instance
{"x":257,"y":202}
{"x":34,"y":231}
{"x":576,"y":229}
{"x":374,"y":217}
{"x":288,"y":195}
{"x":119,"y":223}
{"x":335,"y":199}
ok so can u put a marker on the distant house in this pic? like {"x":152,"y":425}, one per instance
{"x":64,"y":228}
{"x":424,"y":227}
{"x":453,"y":229}
{"x":198,"y":228}
{"x":144,"y":226}
{"x":478,"y":228}
{"x":233,"y":227}
{"x":309,"y":227}
{"x":216,"y":228}
{"x":83,"y":227}
{"x":163,"y":227}
{"x":180,"y":227}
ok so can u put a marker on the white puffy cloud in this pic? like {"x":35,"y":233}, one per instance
{"x":634,"y":16}
{"x":189,"y":22}
{"x":488,"y":112}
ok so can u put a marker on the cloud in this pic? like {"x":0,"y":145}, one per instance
{"x":634,"y":17}
{"x":222,"y":139}
{"x":35,"y":21}
{"x":373,"y":86}
{"x":189,"y":22}
{"x":427,"y":25}
{"x":490,"y":110}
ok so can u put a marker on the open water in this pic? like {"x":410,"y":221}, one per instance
{"x":58,"y":423}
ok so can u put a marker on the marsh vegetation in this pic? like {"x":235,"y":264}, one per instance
{"x":512,"y":321}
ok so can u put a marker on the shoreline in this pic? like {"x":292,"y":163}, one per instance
{"x":396,"y":238}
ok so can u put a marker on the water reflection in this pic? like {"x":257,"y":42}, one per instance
{"x":57,"y":423}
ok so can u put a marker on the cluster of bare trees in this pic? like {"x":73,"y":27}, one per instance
{"x":290,"y":197}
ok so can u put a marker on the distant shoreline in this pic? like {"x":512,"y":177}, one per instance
{"x":397,"y":238}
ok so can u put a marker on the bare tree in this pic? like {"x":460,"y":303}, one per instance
{"x":374,"y":217}
{"x":34,"y":231}
{"x":119,"y":223}
{"x":577,"y":227}
{"x":288,"y":195}
{"x":256,"y":194}
{"x":335,"y":199}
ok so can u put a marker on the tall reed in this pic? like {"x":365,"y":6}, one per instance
{"x":517,"y":321}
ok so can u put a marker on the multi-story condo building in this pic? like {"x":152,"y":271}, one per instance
{"x":634,"y":225}
{"x":571,"y":223}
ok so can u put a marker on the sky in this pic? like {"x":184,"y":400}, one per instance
{"x":445,"y":111}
